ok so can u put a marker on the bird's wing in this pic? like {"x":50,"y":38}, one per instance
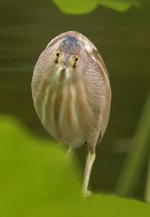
{"x":105,"y":106}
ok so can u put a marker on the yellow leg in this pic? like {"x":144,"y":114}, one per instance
{"x":70,"y":153}
{"x":88,"y":167}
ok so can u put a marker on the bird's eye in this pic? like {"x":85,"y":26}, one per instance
{"x":75,"y":61}
{"x":57,"y":56}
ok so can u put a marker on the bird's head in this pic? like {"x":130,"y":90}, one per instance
{"x":66,"y":53}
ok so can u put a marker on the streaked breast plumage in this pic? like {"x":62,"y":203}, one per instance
{"x":59,"y":109}
{"x":70,"y":94}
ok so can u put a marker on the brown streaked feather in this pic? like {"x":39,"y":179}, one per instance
{"x":48,"y":106}
{"x":68,"y":110}
{"x":57,"y":108}
{"x":40,"y":95}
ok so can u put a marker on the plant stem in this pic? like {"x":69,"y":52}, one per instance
{"x":138,"y":155}
{"x":147,"y":189}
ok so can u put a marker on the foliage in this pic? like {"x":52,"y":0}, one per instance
{"x":87,"y":6}
{"x":38,"y":180}
{"x":138,"y":156}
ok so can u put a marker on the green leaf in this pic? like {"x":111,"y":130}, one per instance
{"x":76,"y":7}
{"x":112,"y":206}
{"x":36,"y":180}
{"x":118,"y":5}
{"x":87,"y":6}
{"x":34,"y":173}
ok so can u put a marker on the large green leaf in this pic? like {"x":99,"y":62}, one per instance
{"x":37,"y":180}
{"x":87,"y":6}
{"x":34,"y":174}
{"x":76,"y":7}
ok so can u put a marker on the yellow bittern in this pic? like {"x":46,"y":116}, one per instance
{"x":72,"y":94}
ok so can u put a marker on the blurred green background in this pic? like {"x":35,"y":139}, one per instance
{"x":123,"y":40}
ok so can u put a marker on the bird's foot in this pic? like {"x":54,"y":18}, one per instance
{"x":87,"y":193}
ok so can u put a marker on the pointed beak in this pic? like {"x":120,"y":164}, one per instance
{"x":66,"y":60}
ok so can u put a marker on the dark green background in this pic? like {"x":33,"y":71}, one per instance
{"x":123,"y":40}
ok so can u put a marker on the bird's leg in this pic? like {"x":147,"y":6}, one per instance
{"x":88,"y":167}
{"x":70,"y":152}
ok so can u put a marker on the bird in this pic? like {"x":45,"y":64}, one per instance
{"x":72,"y":94}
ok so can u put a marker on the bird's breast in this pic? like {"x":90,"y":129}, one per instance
{"x":59,"y":108}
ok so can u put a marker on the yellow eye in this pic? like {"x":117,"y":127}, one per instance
{"x":75,"y":60}
{"x":57,"y":56}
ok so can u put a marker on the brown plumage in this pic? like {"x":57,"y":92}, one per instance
{"x":71,"y":93}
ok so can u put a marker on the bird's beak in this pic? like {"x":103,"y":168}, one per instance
{"x":66,"y":60}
